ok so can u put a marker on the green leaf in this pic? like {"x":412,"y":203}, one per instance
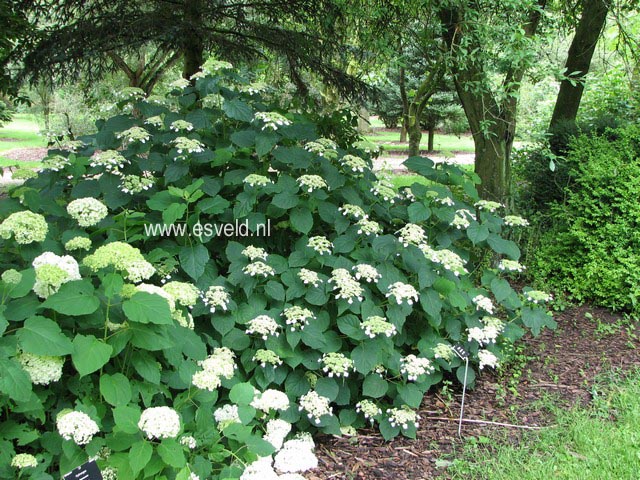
{"x":242,"y":394}
{"x":421,"y":165}
{"x":3,"y":321}
{"x":115,"y":389}
{"x":244,"y":138}
{"x":275,"y":290}
{"x":410,"y":394}
{"x":146,"y":366}
{"x":285,"y":200}
{"x":238,"y":110}
{"x":327,"y":387}
{"x":501,"y":289}
{"x":477,"y":233}
{"x":14,"y":381}
{"x":365,"y":356}
{"x":350,"y":326}
{"x":213,"y":205}
{"x":139,"y":456}
{"x":193,"y":260}
{"x":173,"y":212}
{"x":418,"y":212}
{"x":192,"y":345}
{"x":536,"y":319}
{"x":89,"y":354}
{"x":301,"y":220}
{"x":42,"y":336}
{"x":74,"y":298}
{"x":160,"y":201}
{"x":265,"y":141}
{"x":146,"y":307}
{"x":112,"y":283}
{"x":374,"y":386}
{"x":505,"y":247}
{"x":127,"y":418}
{"x":172,"y":453}
{"x":471,"y":376}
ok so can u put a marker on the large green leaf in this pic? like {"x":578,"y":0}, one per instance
{"x":126,"y":418}
{"x":139,"y":455}
{"x":193,"y":260}
{"x":146,"y":307}
{"x":301,"y":220}
{"x":115,"y":389}
{"x":74,"y":298}
{"x":42,"y":336}
{"x":14,"y":381}
{"x":89,"y":354}
{"x":238,"y":110}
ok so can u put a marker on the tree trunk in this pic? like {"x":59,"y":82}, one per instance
{"x":193,"y":45}
{"x":493,"y":164}
{"x":405,"y":106}
{"x":592,"y":21}
{"x":431,"y":138}
{"x":415,"y":136}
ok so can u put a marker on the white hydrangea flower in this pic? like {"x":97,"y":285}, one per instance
{"x":347,"y":286}
{"x":483,"y":303}
{"x":295,"y":456}
{"x":134,"y":134}
{"x":182,"y":293}
{"x":462,"y":219}
{"x":87,"y":211}
{"x":353,"y":163}
{"x":336,"y":364}
{"x":263,"y":325}
{"x":189,"y":145}
{"x":189,"y":442}
{"x":538,"y":296}
{"x":78,"y":243}
{"x":159,"y":422}
{"x":449,"y":260}
{"x":258,"y":268}
{"x":374,"y":326}
{"x":315,"y":406}
{"x":271,"y":400}
{"x":487,"y":359}
{"x":485,"y":335}
{"x":297,"y":317}
{"x":26,"y":227}
{"x":55,"y":163}
{"x":110,"y":160}
{"x":402,"y":292}
{"x":11,"y":277}
{"x":264,"y":357}
{"x":52,"y":271}
{"x":446,"y":201}
{"x":179,"y":125}
{"x":443,"y":351}
{"x":42,"y":370}
{"x":255,"y":179}
{"x":156,"y":121}
{"x":134,"y":184}
{"x":367,"y":273}
{"x":124,"y":258}
{"x":215,"y":297}
{"x":385,"y":191}
{"x":24,"y":460}
{"x":369,"y":409}
{"x":403,"y":417}
{"x":212,"y":65}
{"x":510,"y":266}
{"x":323,"y":147}
{"x":276,"y":432}
{"x":488,"y":205}
{"x":320,"y":244}
{"x":515,"y":221}
{"x":349,"y":210}
{"x":220,"y":364}
{"x":253,"y":253}
{"x":180,"y":83}
{"x":76,"y":426}
{"x":368,"y":227}
{"x":272,"y":120}
{"x":110,"y":473}
{"x":413,"y":367}
{"x":226,"y":415}
{"x":311,"y":182}
{"x":309,"y":277}
{"x":411,"y":234}
{"x":261,"y":469}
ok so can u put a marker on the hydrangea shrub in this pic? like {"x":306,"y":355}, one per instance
{"x":191,"y":354}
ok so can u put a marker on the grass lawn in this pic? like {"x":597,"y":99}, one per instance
{"x":21,"y":132}
{"x":450,"y":143}
{"x":597,"y":442}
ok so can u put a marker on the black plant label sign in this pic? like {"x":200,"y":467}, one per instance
{"x":86,"y":471}
{"x":461,"y":352}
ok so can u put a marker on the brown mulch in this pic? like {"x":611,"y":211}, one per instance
{"x":560,"y":364}
{"x":26,"y":154}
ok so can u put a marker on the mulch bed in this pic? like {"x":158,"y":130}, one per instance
{"x":562,"y":364}
{"x":26,"y":154}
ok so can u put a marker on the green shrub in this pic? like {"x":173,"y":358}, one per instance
{"x":353,"y":278}
{"x":592,"y":251}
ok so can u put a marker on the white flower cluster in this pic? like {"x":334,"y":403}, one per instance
{"x":180,"y":83}
{"x":336,"y":364}
{"x":255,"y":179}
{"x":443,"y":351}
{"x":264,"y":357}
{"x":110,"y":160}
{"x":375,"y":325}
{"x":134,"y":134}
{"x":87,"y":211}
{"x":368,"y":227}
{"x":403,"y":417}
{"x":24,"y":460}
{"x":349,"y":210}
{"x":154,"y":290}
{"x":449,"y":260}
{"x":109,"y":473}
{"x":272,"y":120}
{"x":253,"y":88}
{"x":311,"y":182}
{"x":182,"y":293}
{"x":221,"y":364}
{"x":411,"y":234}
{"x":309,"y":277}
{"x":487,"y":359}
{"x":54,"y":163}
{"x":413,"y":367}
{"x":537,"y":296}
{"x":257,"y":269}
{"x":353,"y":163}
{"x":488,"y":205}
{"x":483,"y":303}
{"x":320,"y":244}
{"x":462,"y":219}
{"x":156,"y":121}
{"x":42,"y":369}
{"x":76,"y":426}
{"x":179,"y":125}
{"x":315,"y":406}
{"x":276,"y":432}
{"x":271,"y":400}
{"x":296,"y":456}
{"x":297,"y":317}
{"x":488,"y":334}
{"x":26,"y":227}
{"x":253,"y":253}
{"x":263,"y":325}
{"x":159,"y":422}
{"x":11,"y":277}
{"x":402,"y":292}
{"x":71,"y":145}
{"x":446,"y":201}
{"x":52,"y":271}
{"x":189,"y":145}
{"x":215,"y":297}
{"x":124,"y":258}
{"x":78,"y":243}
{"x":188,"y":441}
{"x":133,"y":184}
{"x":384,"y":190}
{"x":347,"y":286}
{"x":226,"y":415}
{"x":133,"y":93}
{"x":510,"y":266}
{"x":369,"y":409}
{"x":212,"y":65}
{"x":323,"y":147}
{"x":515,"y":221}
{"x":367,"y":273}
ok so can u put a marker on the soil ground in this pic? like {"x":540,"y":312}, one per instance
{"x":558,"y":365}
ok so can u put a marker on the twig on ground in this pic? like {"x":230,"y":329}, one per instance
{"x":485,"y":422}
